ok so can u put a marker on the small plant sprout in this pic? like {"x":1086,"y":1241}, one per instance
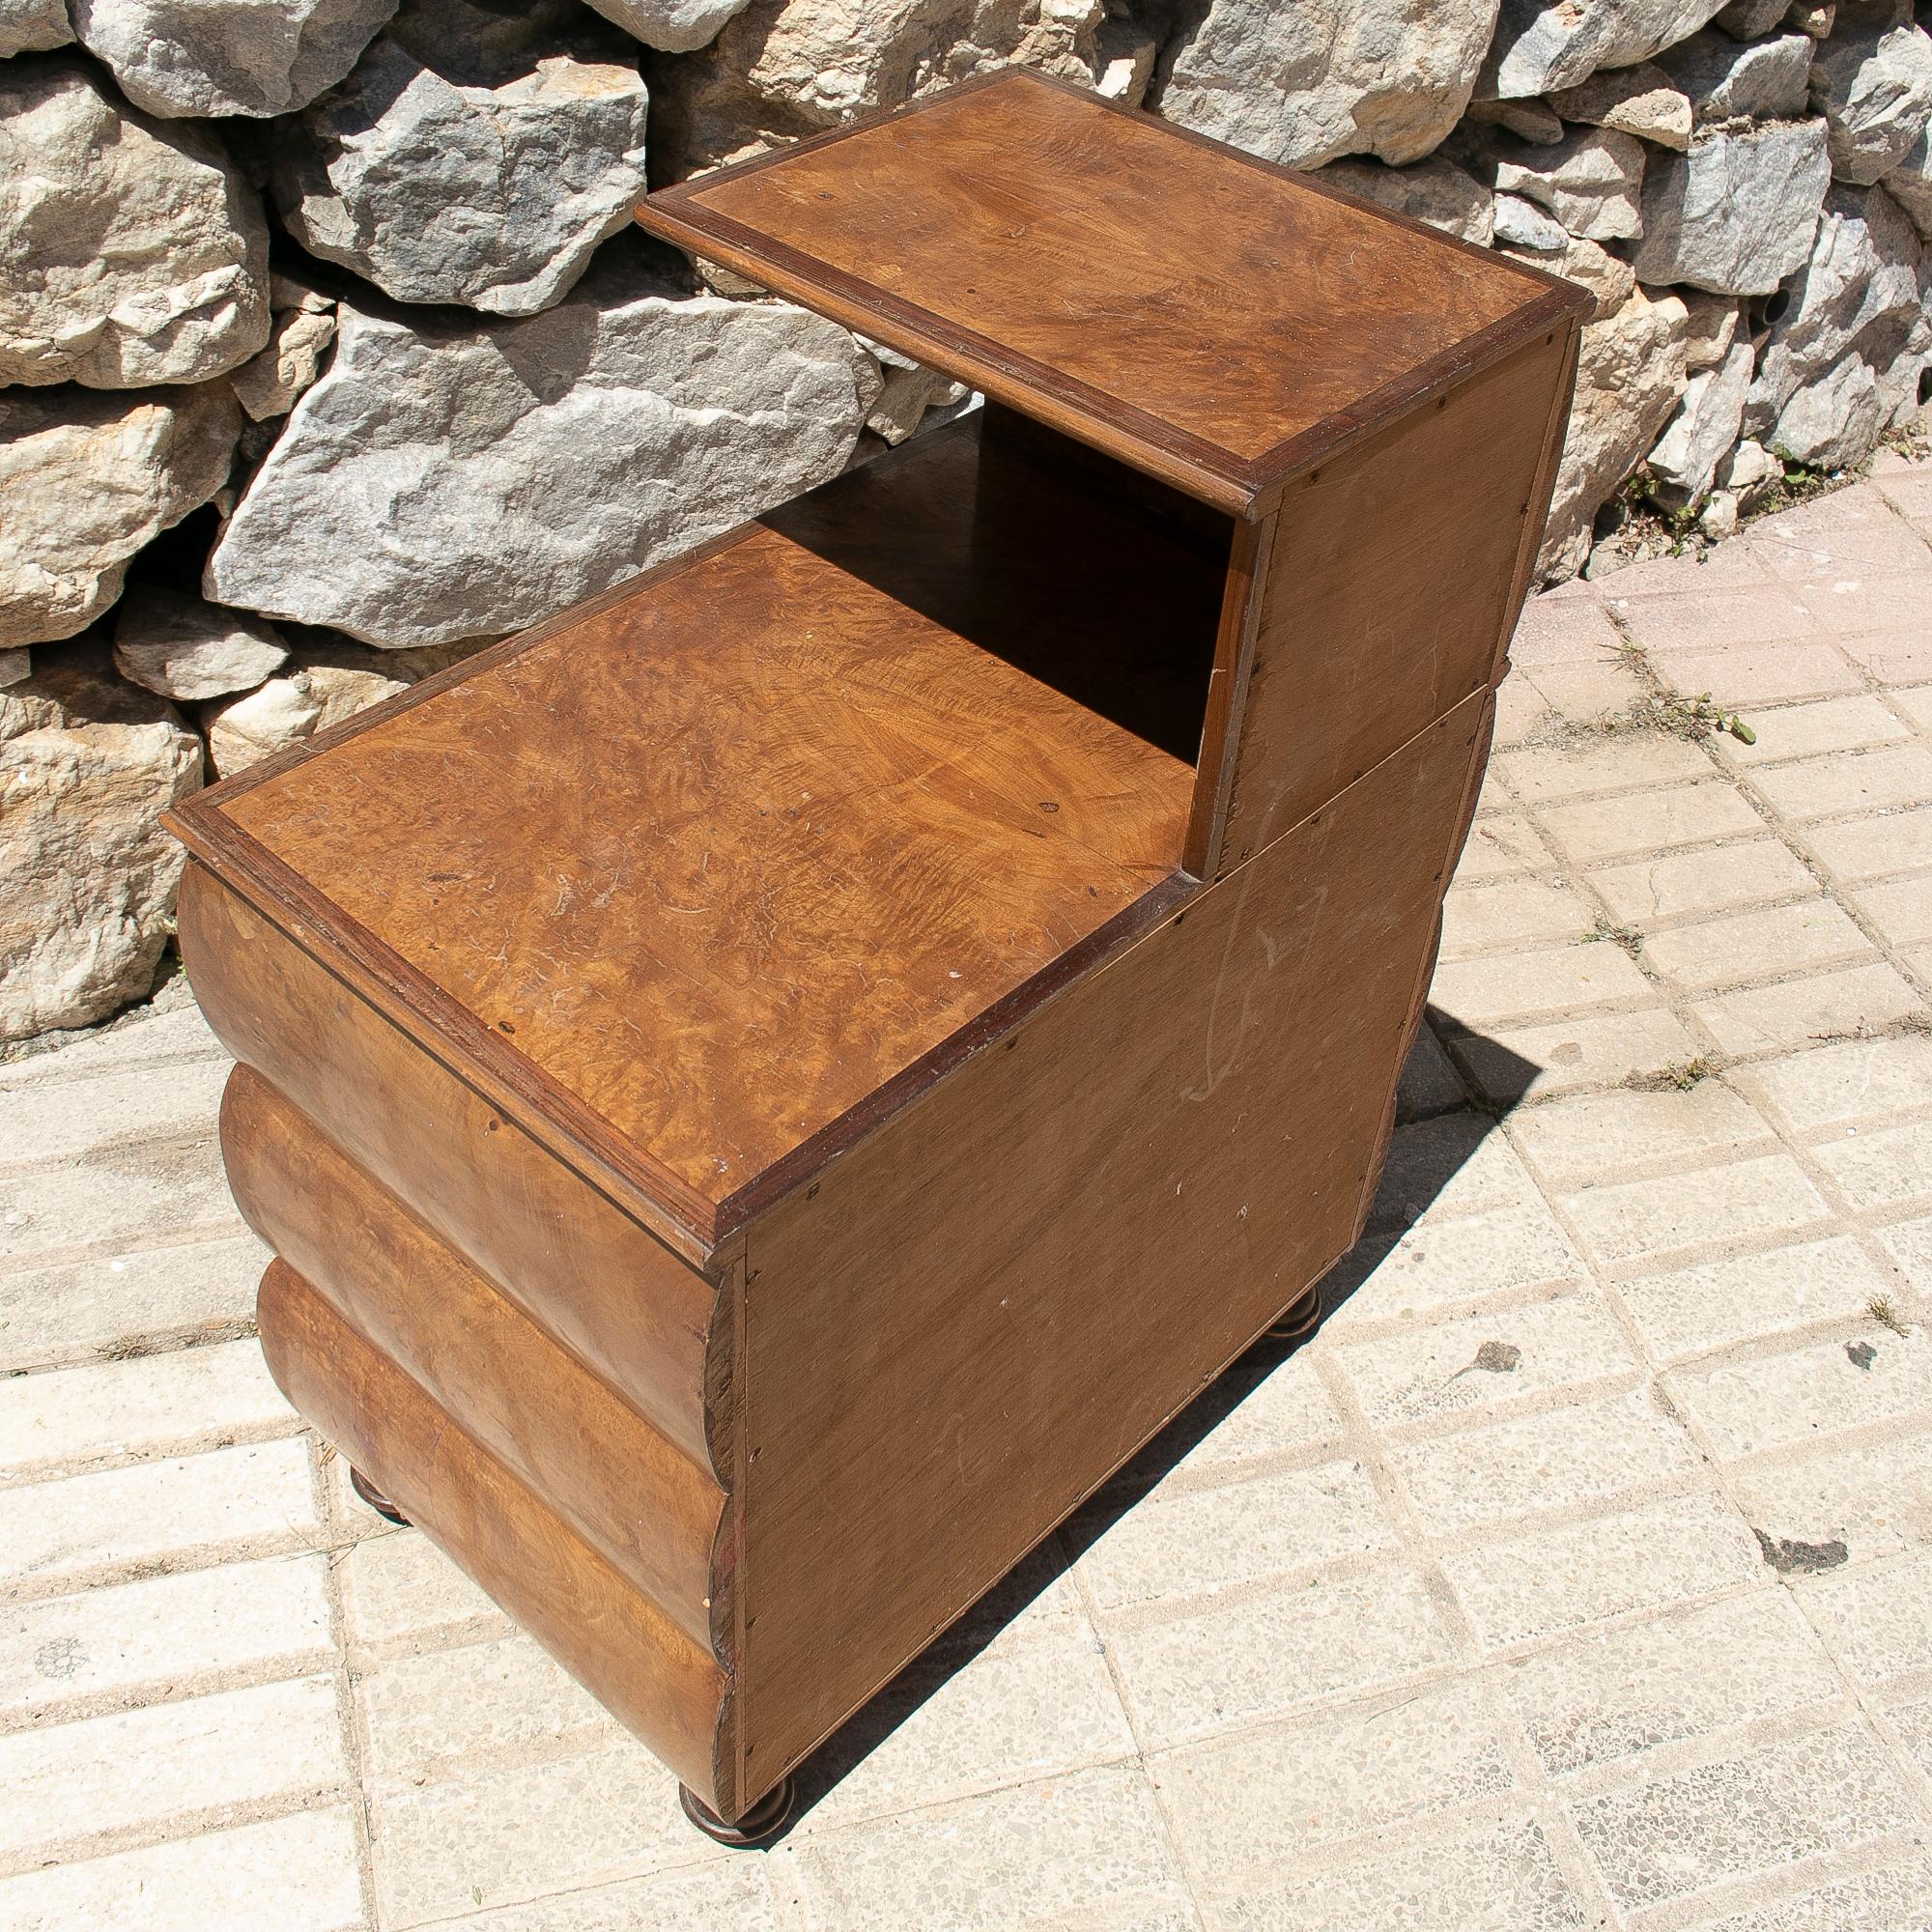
{"x":1885,"y":1311}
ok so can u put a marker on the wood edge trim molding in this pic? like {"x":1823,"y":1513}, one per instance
{"x":1228,"y":694}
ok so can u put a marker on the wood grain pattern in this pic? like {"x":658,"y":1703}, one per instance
{"x":1206,"y":316}
{"x":1390,"y":590}
{"x":573,"y":1262}
{"x":723,"y":859}
{"x":988,"y":1305}
{"x":607,"y":1634}
{"x":642,"y":1503}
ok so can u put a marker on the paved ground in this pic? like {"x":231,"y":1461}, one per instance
{"x":1577,"y":1575}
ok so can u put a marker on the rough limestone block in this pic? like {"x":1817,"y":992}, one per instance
{"x":1592,"y":181}
{"x":1767,"y":80}
{"x":182,"y":647}
{"x":1629,"y":376}
{"x":1543,"y":45}
{"x":1875,"y":92}
{"x":1705,"y":427}
{"x":785,"y":68}
{"x":310,"y":698}
{"x":85,"y":481}
{"x":1608,"y":277}
{"x":1737,"y":214}
{"x":1307,"y":83}
{"x":444,"y":481}
{"x":88,"y":764}
{"x":676,"y":26}
{"x":188,"y":57}
{"x":31,"y":26}
{"x":472,"y":155}
{"x":136,"y":252}
{"x":1436,"y":191}
{"x":1639,"y":101}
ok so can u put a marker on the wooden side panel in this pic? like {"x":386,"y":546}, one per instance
{"x":1389,"y":589}
{"x":572,"y":1260}
{"x":610,"y":1636}
{"x":988,"y":1306}
{"x":641,"y":1502}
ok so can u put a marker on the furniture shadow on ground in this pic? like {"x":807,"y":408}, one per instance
{"x":1409,"y":1188}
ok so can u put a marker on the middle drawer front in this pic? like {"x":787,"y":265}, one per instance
{"x":636,"y":1497}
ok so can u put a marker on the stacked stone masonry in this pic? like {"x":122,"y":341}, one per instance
{"x":327,"y":352}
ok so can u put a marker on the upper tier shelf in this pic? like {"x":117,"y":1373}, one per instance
{"x":1220,"y":323}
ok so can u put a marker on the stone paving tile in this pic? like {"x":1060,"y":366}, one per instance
{"x":1534,"y":985}
{"x":399,"y":1586}
{"x":1874,"y":1617}
{"x":1695,"y":1309}
{"x":145,"y":1640}
{"x":1777,"y":1400}
{"x":149,"y":1038}
{"x":1091,"y":1846}
{"x":1586,"y":692}
{"x":1504,"y":842}
{"x":1327,"y":1776}
{"x":1901,"y":912}
{"x":1851,"y":530}
{"x":1505,"y":916}
{"x":1841,"y":1505}
{"x":123,"y":1196}
{"x":1616,"y":763}
{"x":1292,"y":1521}
{"x":1650,"y":821}
{"x":1746,"y":676}
{"x":1571,"y":1142}
{"x":150,"y":1404}
{"x":59,"y":1314}
{"x":1227,"y":1663}
{"x":126,"y":1772}
{"x":227,"y":1501}
{"x":1909,"y":1244}
{"x":1439,"y":1264}
{"x":1892,"y":1900}
{"x":1774,"y":940}
{"x":1876,"y":847}
{"x":1892,"y":657}
{"x":1743,"y":614}
{"x":1500,"y":1878}
{"x":1543,"y":1582}
{"x":1485,"y":1362}
{"x":1882,"y":1167}
{"x":1614,"y":1696}
{"x":1522,"y":710}
{"x":1844,"y":781}
{"x":1640,"y":1220}
{"x":1916,"y":704}
{"x":1288,"y":1410}
{"x":49,"y":1120}
{"x":1511,"y":1064}
{"x":1882,"y":601}
{"x":1850,"y":1083}
{"x":1522,"y":1467}
{"x":1693,"y":884}
{"x":1430,"y":1083}
{"x":1801,"y":1012}
{"x":1741,"y":1817}
{"x":1804,"y":731}
{"x":294,"y":1874}
{"x":1558,"y":629}
{"x":747,"y":1894}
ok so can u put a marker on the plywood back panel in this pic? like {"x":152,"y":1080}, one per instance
{"x":986,"y":1306}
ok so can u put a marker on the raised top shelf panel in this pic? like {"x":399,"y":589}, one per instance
{"x":1216,"y":320}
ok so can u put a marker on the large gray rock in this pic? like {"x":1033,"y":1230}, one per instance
{"x":135,"y":253}
{"x":1767,"y":80}
{"x":1306,"y":83}
{"x":1521,"y":224}
{"x":1705,"y":428}
{"x":1436,"y":191}
{"x":1639,"y":101}
{"x":184,"y":648}
{"x":1909,"y":184}
{"x":31,"y":26}
{"x":1608,"y":277}
{"x":1542,"y":45}
{"x":1630,"y":374}
{"x":87,"y":766}
{"x":85,"y":481}
{"x":476,"y":155}
{"x":1592,"y":181}
{"x":1747,"y":19}
{"x":303,"y":327}
{"x":311,"y":696}
{"x":444,"y":482}
{"x":227,"y":56}
{"x":1737,"y":214}
{"x":786,"y":67}
{"x":1844,"y":361}
{"x":676,"y":26}
{"x":1875,"y":92}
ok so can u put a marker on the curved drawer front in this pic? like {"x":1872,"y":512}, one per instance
{"x":640,"y":1501}
{"x":607,"y":1633}
{"x":576,"y":1264}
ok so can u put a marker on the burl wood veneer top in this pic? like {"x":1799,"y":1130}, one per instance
{"x":1212,"y":318}
{"x":726,"y":853}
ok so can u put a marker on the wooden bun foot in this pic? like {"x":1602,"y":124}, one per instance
{"x":374,"y":1497}
{"x":759,"y":1824}
{"x":1299,"y":1319}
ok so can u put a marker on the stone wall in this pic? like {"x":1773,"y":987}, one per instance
{"x":328,"y":353}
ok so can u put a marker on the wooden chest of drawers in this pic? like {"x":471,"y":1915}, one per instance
{"x":766,"y":1088}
